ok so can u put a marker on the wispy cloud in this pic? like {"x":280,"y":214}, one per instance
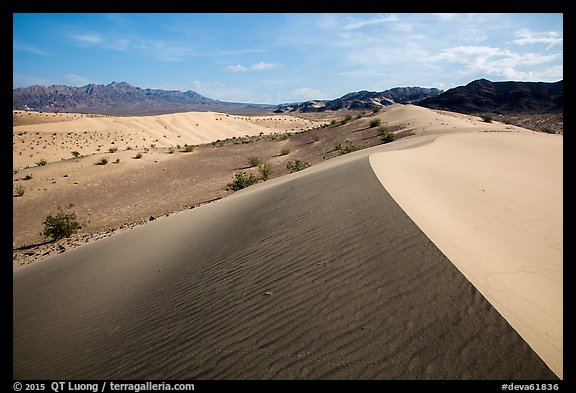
{"x":354,"y":23}
{"x":24,"y":47}
{"x":501,"y":63}
{"x":85,"y":37}
{"x":264,"y":66}
{"x":260,"y":66}
{"x":527,"y":37}
{"x":236,"y":68}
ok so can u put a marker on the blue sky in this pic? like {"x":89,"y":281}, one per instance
{"x":278,"y":58}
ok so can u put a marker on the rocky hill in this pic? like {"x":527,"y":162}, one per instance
{"x":121,"y":99}
{"x":362,"y":100}
{"x":484,"y":96}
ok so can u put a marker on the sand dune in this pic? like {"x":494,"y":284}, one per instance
{"x":493,"y":203}
{"x":54,"y":140}
{"x":317,"y":275}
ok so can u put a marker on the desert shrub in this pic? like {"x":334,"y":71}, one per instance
{"x":347,"y":147}
{"x":75,"y":153}
{"x":138,"y":155}
{"x":298,"y":165}
{"x":316,"y":137}
{"x":27,"y":177}
{"x":375,"y":123}
{"x":117,"y":161}
{"x":113,"y":149}
{"x":102,"y":161}
{"x":346,"y":119}
{"x":332,"y":121}
{"x":265,"y":170}
{"x":188,"y":148}
{"x":376,"y":110}
{"x":242,"y":180}
{"x":548,"y":130}
{"x":382,"y":130}
{"x":388,"y":137}
{"x":171,"y":150}
{"x":42,"y":162}
{"x":284,"y":152}
{"x":61,"y":225}
{"x":254,"y":161}
{"x":19,"y":190}
{"x":486,"y":118}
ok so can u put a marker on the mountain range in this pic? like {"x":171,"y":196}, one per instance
{"x":122,"y":99}
{"x":484,"y":96}
{"x":479,"y":96}
{"x":363,"y":100}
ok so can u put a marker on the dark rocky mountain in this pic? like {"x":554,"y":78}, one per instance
{"x":362,"y":100}
{"x":122,"y":99}
{"x":484,"y":96}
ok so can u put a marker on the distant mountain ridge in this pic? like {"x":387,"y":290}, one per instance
{"x":484,"y":96}
{"x":363,"y":100}
{"x":479,"y":96}
{"x":122,"y":99}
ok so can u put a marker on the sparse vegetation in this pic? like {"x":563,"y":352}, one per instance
{"x":61,"y":225}
{"x":19,"y":190}
{"x":316,"y":137}
{"x":265,"y":170}
{"x":113,"y":149}
{"x":117,"y":161}
{"x":284,"y":152}
{"x":76,"y":154}
{"x":242,"y":180}
{"x":171,"y":150}
{"x":188,"y":148}
{"x":486,"y":118}
{"x":254,"y":161}
{"x":27,"y":177}
{"x":102,"y":161}
{"x":375,"y":123}
{"x":387,"y":136}
{"x":346,"y":119}
{"x":298,"y":165}
{"x":42,"y":162}
{"x":347,"y":147}
{"x":138,"y":155}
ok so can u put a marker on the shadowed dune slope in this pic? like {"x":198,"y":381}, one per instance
{"x":318,"y":276}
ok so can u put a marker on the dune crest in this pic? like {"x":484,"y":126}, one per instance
{"x":493,"y":203}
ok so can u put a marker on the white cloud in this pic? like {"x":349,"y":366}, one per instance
{"x":236,"y":68}
{"x":501,"y":63}
{"x":354,"y":23}
{"x":260,"y":66}
{"x":527,"y":37}
{"x":446,"y":16}
{"x":86,"y":38}
{"x":264,"y":66}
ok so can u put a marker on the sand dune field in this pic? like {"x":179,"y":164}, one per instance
{"x":436,"y":256}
